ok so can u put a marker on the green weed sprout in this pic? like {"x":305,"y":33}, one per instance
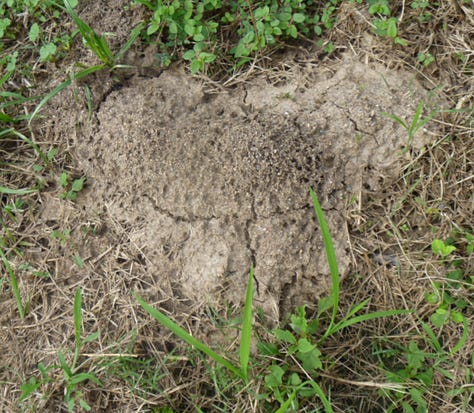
{"x":98,"y":44}
{"x":332,"y":301}
{"x":416,"y":123}
{"x":299,"y":343}
{"x":73,"y":377}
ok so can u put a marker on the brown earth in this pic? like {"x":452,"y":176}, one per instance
{"x":209,"y":183}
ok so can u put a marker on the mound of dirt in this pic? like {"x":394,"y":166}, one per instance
{"x":208,"y":184}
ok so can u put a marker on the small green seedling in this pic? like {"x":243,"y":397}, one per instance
{"x":440,"y":248}
{"x":13,"y":209}
{"x":415,"y":125}
{"x":34,"y":384}
{"x":62,"y":236}
{"x":425,"y":58}
{"x":98,"y":44}
{"x":71,"y":189}
{"x":73,"y":377}
{"x":428,"y":355}
{"x":296,"y":354}
{"x":420,"y":365}
{"x":450,"y":305}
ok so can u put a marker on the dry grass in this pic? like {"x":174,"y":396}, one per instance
{"x":432,"y":198}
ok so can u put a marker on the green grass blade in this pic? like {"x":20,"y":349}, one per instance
{"x":97,"y":43}
{"x":13,"y":99}
{"x":356,"y":309}
{"x":80,"y":377}
{"x":7,"y":119}
{"x":184,"y":335}
{"x":419,"y":109}
{"x":463,"y":339}
{"x":425,"y":120}
{"x":396,"y":119}
{"x":9,"y":191}
{"x":14,"y":285}
{"x":284,"y":407}
{"x":365,"y":317}
{"x":64,"y":366}
{"x":434,"y":342}
{"x":64,"y":85}
{"x":133,"y":36}
{"x":11,"y":131}
{"x":331,"y":257}
{"x":77,"y":325}
{"x":246,"y":328}
{"x":36,"y":148}
{"x":322,"y":397}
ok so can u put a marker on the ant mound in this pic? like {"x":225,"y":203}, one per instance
{"x":207,"y":184}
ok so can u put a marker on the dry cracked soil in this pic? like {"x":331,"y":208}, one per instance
{"x":208,"y":184}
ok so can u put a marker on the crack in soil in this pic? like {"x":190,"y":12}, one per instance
{"x":179,"y":218}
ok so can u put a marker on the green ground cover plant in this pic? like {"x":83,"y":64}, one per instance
{"x":250,"y":29}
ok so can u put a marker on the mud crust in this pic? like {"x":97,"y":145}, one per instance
{"x":222,"y":179}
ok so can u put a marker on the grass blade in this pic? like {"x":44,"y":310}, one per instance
{"x":433,"y":342}
{"x":246,"y":328}
{"x":97,"y":43}
{"x":11,"y":131}
{"x":133,"y":36}
{"x":365,"y":317}
{"x":396,"y":119}
{"x":13,"y":99}
{"x":184,"y":335}
{"x":77,"y":325}
{"x":464,"y":337}
{"x":331,"y":257}
{"x":64,"y":85}
{"x":9,"y":191}
{"x":79,"y":378}
{"x":284,"y":407}
{"x":7,"y":119}
{"x":63,"y":364}
{"x":322,"y":397}
{"x":14,"y":284}
{"x":413,"y":126}
{"x":356,"y":309}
